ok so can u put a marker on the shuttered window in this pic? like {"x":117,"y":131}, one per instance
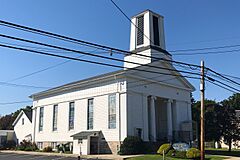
{"x":156,"y":30}
{"x":140,"y":30}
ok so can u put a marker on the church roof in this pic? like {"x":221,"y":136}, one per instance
{"x":27,"y":113}
{"x":104,"y":78}
{"x":79,"y":83}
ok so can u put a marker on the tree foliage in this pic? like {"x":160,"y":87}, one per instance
{"x":220,"y":119}
{"x":7,"y":120}
{"x":231,"y":123}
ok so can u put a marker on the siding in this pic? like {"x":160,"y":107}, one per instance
{"x":22,"y":131}
{"x":99,"y":94}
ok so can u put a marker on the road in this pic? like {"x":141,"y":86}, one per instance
{"x":15,"y":156}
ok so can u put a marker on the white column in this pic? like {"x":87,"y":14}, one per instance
{"x":169,"y":119}
{"x":153,"y":119}
{"x":189,"y":109}
{"x":145,"y":118}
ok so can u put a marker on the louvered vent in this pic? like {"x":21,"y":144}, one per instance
{"x":155,"y":30}
{"x":140,"y":30}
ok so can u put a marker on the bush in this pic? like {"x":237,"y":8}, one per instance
{"x":165,"y":147}
{"x":27,"y":146}
{"x":171,"y":153}
{"x":193,"y":153}
{"x":47,"y":149}
{"x":180,"y":154}
{"x":132,"y":145}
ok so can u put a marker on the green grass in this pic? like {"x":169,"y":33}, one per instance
{"x":159,"y":157}
{"x":223,"y":152}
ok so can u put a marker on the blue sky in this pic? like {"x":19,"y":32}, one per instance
{"x":188,"y":24}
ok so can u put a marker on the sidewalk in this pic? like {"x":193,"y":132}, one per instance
{"x":101,"y":156}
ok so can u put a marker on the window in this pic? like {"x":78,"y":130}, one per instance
{"x":40,"y":145}
{"x":155,"y":30}
{"x":112,"y":111}
{"x":54,"y":145}
{"x":140,"y":30}
{"x":41,"y":119}
{"x":22,"y":121}
{"x":55,"y":114}
{"x":90,"y":114}
{"x":71,"y":116}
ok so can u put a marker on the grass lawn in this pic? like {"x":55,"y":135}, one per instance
{"x":223,"y":151}
{"x":158,"y":157}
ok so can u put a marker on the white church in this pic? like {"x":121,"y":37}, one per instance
{"x":95,"y":115}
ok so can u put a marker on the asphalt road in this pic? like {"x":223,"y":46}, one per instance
{"x":14,"y":156}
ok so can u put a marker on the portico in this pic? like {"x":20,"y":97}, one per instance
{"x":163,"y":119}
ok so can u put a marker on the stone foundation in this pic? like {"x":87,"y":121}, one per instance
{"x":110,"y":147}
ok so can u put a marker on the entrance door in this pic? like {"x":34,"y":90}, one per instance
{"x":93,"y":145}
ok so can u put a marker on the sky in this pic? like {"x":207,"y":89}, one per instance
{"x":188,"y":24}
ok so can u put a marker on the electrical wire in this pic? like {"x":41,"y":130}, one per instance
{"x":206,"y":48}
{"x":81,"y":42}
{"x":91,"y":54}
{"x":89,"y":61}
{"x":17,"y":102}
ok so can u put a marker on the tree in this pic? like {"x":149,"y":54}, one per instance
{"x":231,"y":123}
{"x":212,"y":110}
{"x":7,"y":120}
{"x":232,"y":101}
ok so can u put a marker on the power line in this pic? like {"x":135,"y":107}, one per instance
{"x":125,"y":15}
{"x":88,"y":61}
{"x":91,"y":54}
{"x":206,"y":48}
{"x":228,"y":79}
{"x":56,"y":36}
{"x":17,"y":102}
{"x":45,"y":69}
{"x":214,"y":80}
{"x":206,"y":53}
{"x":221,"y":86}
{"x":81,"y":42}
{"x":15,"y":38}
{"x":22,"y":85}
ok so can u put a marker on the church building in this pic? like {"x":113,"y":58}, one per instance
{"x":148,"y":98}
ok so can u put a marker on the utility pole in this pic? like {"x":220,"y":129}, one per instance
{"x":202,"y":90}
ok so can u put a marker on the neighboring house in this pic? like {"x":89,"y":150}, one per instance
{"x":96,"y":114}
{"x":23,"y":126}
{"x":235,"y":145}
{"x":6,"y":135}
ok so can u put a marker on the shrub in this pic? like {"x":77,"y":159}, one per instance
{"x":165,"y":147}
{"x":171,"y":153}
{"x":28,"y":149}
{"x":193,"y":153}
{"x":59,"y":148}
{"x":27,"y":146}
{"x":47,"y":149}
{"x":132,"y":145}
{"x":180,"y":154}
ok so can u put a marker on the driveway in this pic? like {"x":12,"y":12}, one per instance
{"x":15,"y":156}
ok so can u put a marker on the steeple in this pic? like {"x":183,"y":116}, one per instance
{"x":147,"y":38}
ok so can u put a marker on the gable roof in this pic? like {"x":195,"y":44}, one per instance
{"x":79,"y":83}
{"x":106,"y":76}
{"x":27,"y":113}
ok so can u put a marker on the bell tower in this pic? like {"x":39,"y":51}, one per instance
{"x":147,"y":38}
